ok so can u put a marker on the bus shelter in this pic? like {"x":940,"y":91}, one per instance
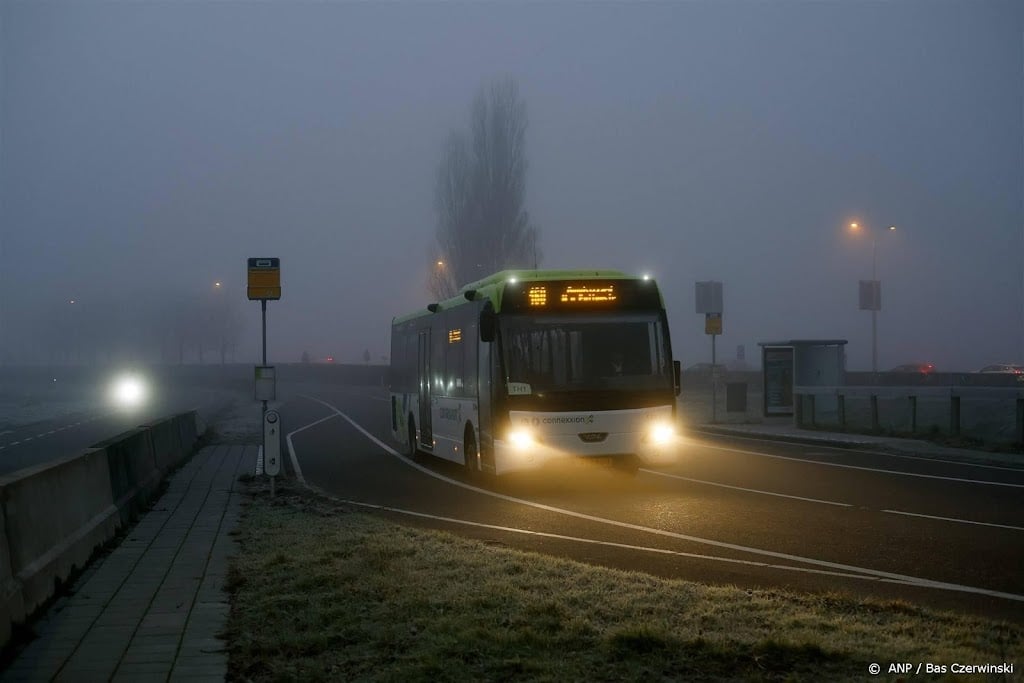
{"x":793,"y":368}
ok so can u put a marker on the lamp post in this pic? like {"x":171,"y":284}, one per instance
{"x":874,"y":302}
{"x":442,"y":280}
{"x":220,"y":310}
{"x":76,"y":332}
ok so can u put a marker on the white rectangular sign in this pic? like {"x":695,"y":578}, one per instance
{"x":709,"y":297}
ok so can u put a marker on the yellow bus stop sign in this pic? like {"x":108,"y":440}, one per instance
{"x":264,"y":278}
{"x":712,"y":323}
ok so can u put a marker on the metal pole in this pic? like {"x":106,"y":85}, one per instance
{"x":263,"y":311}
{"x":263,"y":305}
{"x":714,"y":382}
{"x":874,"y":308}
{"x":874,"y":341}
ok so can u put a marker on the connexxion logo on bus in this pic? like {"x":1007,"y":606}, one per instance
{"x":578,"y":419}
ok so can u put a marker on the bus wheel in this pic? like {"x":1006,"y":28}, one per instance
{"x":470,"y":457}
{"x":411,"y":450}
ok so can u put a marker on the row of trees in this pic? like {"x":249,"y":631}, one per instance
{"x":480,"y":193}
{"x":189,"y":327}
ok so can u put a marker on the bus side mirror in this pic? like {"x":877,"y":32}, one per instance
{"x":677,"y":375}
{"x":488,"y":323}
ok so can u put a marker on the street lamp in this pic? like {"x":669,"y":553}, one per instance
{"x":871,"y":295}
{"x":220,"y":310}
{"x":75,"y":333}
{"x":441,"y":277}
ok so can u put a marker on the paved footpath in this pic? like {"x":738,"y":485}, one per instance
{"x":151,"y":609}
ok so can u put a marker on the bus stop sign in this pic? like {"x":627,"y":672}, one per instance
{"x":264,"y":278}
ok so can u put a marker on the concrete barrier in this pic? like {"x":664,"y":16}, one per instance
{"x":12,"y":603}
{"x":166,"y":438}
{"x":54,"y":516}
{"x":133,"y":472}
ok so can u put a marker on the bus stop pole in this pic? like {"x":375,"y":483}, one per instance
{"x":263,"y":307}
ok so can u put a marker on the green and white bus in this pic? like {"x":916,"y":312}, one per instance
{"x":526,"y":366}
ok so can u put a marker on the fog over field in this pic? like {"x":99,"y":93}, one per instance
{"x":147,"y":149}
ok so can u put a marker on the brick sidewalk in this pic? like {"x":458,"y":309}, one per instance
{"x":151,"y":609}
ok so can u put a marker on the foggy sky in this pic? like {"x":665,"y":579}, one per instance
{"x":148,"y":148}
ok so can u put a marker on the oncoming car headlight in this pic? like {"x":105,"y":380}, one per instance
{"x":128,"y":391}
{"x":520,"y":438}
{"x":661,"y":433}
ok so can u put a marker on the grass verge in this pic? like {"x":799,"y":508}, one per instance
{"x":323,"y":592}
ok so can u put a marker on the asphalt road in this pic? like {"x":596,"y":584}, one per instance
{"x":730,"y":511}
{"x":94,"y":420}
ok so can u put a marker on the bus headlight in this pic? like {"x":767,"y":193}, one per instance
{"x":660,"y":433}
{"x":520,"y":438}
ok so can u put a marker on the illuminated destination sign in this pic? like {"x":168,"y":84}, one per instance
{"x":587,"y":294}
{"x":454,"y":335}
{"x":537,"y":295}
{"x":576,"y":295}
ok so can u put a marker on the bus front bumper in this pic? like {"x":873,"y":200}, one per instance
{"x":512,"y":457}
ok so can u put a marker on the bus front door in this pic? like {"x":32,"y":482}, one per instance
{"x":423,"y":372}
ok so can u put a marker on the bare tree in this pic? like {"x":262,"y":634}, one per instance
{"x":480,"y":192}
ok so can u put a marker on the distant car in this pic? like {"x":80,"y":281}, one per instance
{"x":921,"y":368}
{"x":1004,"y":368}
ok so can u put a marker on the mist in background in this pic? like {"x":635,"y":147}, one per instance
{"x":148,"y":149}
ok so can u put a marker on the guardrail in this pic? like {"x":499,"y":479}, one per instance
{"x":54,"y":516}
{"x":989,"y":414}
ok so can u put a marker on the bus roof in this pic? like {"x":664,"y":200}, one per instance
{"x":493,"y":286}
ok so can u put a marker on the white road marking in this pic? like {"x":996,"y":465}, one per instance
{"x":869,"y":452}
{"x":6,"y":431}
{"x":902,"y":578}
{"x":14,"y":443}
{"x":866,"y":469}
{"x":627,"y":546}
{"x":954,"y":519}
{"x":740,"y":488}
{"x":291,"y":448}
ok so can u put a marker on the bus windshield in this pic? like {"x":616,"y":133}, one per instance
{"x":576,"y":353}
